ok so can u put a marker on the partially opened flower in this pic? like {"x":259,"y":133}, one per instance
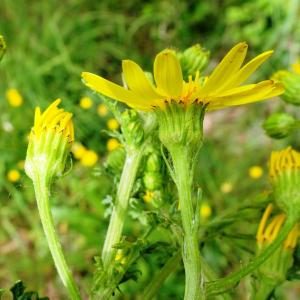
{"x":50,"y":141}
{"x":221,"y":89}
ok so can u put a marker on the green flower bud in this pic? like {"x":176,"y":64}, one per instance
{"x":116,"y":158}
{"x":193,"y":59}
{"x":2,"y":47}
{"x":50,"y":141}
{"x":284,"y":171}
{"x":291,"y":84}
{"x":132,"y":128}
{"x":279,"y":125}
{"x":152,"y":180}
{"x":154,"y":162}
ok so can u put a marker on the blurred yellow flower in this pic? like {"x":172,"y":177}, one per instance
{"x":86,"y":102}
{"x":296,"y":67}
{"x":255,"y":172}
{"x":89,"y":158}
{"x":78,"y":150}
{"x":226,"y":187}
{"x":205,"y":210}
{"x":113,"y":124}
{"x":102,"y":110}
{"x":21,"y":164}
{"x":112,"y":144}
{"x":148,"y":196}
{"x":13,"y":175}
{"x":14,"y":98}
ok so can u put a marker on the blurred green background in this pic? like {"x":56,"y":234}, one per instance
{"x":49,"y":43}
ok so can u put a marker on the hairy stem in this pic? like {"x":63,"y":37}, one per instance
{"x":42,"y":198}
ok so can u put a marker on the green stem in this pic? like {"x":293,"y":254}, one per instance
{"x":183,"y":173}
{"x":264,"y":291}
{"x":42,"y":198}
{"x":117,"y":218}
{"x":223,"y":284}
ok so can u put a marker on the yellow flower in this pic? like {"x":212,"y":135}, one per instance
{"x":226,"y":187}
{"x":255,"y":172}
{"x":102,"y":110}
{"x":78,"y":150}
{"x":148,"y":196}
{"x":267,"y":234}
{"x":112,"y":144}
{"x":13,"y":175}
{"x":221,"y":89}
{"x":86,"y":102}
{"x":205,"y":211}
{"x":296,"y":67}
{"x":113,"y":124}
{"x":89,"y":158}
{"x":283,"y":161}
{"x":14,"y":98}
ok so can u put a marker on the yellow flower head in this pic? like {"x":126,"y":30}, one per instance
{"x":55,"y":120}
{"x":267,"y":233}
{"x":296,"y":67}
{"x":205,"y":210}
{"x":13,"y":175}
{"x":14,"y":98}
{"x":102,"y":110}
{"x":255,"y":172}
{"x":221,"y":89}
{"x":86,"y":102}
{"x":89,"y":158}
{"x":148,"y":196}
{"x":78,"y":150}
{"x":113,"y":124}
{"x":283,"y":161}
{"x":112,"y":144}
{"x":226,"y":187}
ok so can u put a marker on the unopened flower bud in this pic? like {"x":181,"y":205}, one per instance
{"x":152,"y":180}
{"x":50,"y":141}
{"x":280,"y":125}
{"x":193,"y":59}
{"x":291,"y":84}
{"x":116,"y":158}
{"x":153,"y":163}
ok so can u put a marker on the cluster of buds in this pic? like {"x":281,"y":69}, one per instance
{"x":50,"y":141}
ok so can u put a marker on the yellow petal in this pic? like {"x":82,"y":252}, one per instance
{"x":112,"y":90}
{"x":168,"y":74}
{"x":263,"y":90}
{"x":226,"y":69}
{"x":246,"y":71}
{"x":138,"y":83}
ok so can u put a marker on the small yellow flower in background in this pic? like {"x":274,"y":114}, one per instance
{"x":14,"y":98}
{"x":148,"y":196}
{"x":112,"y":144}
{"x":226,"y":187}
{"x":205,"y":210}
{"x":21,"y":164}
{"x":255,"y":172}
{"x":78,"y":150}
{"x":13,"y":175}
{"x":120,"y":257}
{"x":102,"y":110}
{"x":296,"y":67}
{"x":86,"y":102}
{"x":89,"y":158}
{"x":112,"y":124}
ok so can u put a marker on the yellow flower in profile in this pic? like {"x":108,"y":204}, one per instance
{"x":13,"y":175}
{"x":89,"y":158}
{"x":255,"y":172}
{"x":221,"y":89}
{"x":102,"y":110}
{"x":148,"y":196}
{"x":113,"y":124}
{"x":14,"y":98}
{"x":86,"y":102}
{"x":78,"y":150}
{"x":112,"y":144}
{"x":205,"y":210}
{"x":267,"y":233}
{"x":226,"y":187}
